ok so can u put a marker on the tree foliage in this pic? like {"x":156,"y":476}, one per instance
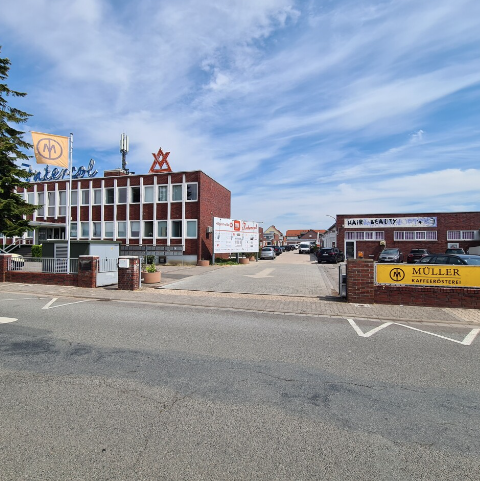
{"x":12,"y":207}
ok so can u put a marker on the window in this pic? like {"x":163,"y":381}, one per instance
{"x":85,"y":229}
{"x":135,"y":194}
{"x":176,"y":228}
{"x":457,"y":235}
{"x":191,"y":228}
{"x":73,"y":197}
{"x":122,"y":229}
{"x":366,"y":235}
{"x":41,"y":203}
{"x":85,"y":197}
{"x":62,"y":202}
{"x":51,"y":204}
{"x":97,"y":229}
{"x":176,"y":193}
{"x":162,"y":228}
{"x":148,"y":228}
{"x":122,"y":195}
{"x":414,"y":235}
{"x":148,"y":194}
{"x":110,"y":195}
{"x":162,"y":193}
{"x":97,"y":196}
{"x":31,"y":198}
{"x":192,"y":190}
{"x":109,"y":226}
{"x":73,"y":229}
{"x":135,"y":228}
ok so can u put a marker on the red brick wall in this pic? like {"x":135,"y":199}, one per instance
{"x":214,"y":201}
{"x":129,"y":277}
{"x":362,"y":290}
{"x":360,"y":281}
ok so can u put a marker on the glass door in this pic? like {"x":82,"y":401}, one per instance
{"x":350,"y":250}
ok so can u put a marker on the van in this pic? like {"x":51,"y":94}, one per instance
{"x":304,"y":248}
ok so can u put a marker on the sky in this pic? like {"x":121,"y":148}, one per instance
{"x":302,"y":109}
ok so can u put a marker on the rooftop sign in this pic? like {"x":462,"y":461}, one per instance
{"x":61,"y":174}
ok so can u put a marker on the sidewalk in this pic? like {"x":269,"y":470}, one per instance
{"x":278,"y":304}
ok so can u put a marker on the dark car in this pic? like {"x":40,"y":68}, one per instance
{"x":455,"y":251}
{"x":452,"y":259}
{"x":391,"y":254}
{"x":278,"y":250}
{"x":416,"y":254}
{"x":330,"y":254}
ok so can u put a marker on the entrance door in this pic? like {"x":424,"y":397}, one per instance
{"x":350,"y":250}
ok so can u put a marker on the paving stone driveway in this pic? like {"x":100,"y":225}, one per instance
{"x":290,"y":274}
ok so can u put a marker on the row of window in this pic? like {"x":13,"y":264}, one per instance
{"x":136,"y":229}
{"x":452,"y":235}
{"x":111,"y":196}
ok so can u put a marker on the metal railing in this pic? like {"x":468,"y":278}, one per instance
{"x":42,"y":264}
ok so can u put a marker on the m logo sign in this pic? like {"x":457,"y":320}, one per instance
{"x":397,"y":274}
{"x":50,"y":149}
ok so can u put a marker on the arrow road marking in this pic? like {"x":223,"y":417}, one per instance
{"x":48,"y":304}
{"x":261,"y":274}
{"x":4,"y":320}
{"x":469,"y":338}
{"x":369,"y":333}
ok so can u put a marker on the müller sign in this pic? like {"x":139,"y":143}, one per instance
{"x":61,"y":174}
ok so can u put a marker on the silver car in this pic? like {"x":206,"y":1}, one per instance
{"x":267,"y":253}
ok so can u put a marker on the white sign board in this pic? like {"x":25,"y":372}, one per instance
{"x":376,"y":222}
{"x":234,"y":236}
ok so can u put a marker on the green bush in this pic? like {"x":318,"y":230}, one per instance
{"x":37,"y":250}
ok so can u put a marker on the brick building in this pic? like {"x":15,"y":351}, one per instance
{"x":157,"y":209}
{"x":371,"y":233}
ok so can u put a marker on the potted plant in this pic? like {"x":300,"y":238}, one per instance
{"x":151,"y":275}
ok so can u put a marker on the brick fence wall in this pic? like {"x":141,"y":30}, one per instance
{"x":86,"y":278}
{"x":361,"y":289}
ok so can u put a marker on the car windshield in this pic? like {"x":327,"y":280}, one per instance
{"x":417,"y":251}
{"x":471,"y":261}
{"x":390,"y":251}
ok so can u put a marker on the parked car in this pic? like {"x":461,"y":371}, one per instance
{"x":416,"y":254}
{"x":304,"y":248}
{"x":278,"y":250}
{"x":330,"y":254}
{"x":391,"y":255}
{"x":17,"y":262}
{"x":455,"y":251}
{"x":455,"y":259}
{"x":267,"y":253}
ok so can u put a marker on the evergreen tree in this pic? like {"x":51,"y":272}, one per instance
{"x":12,"y":207}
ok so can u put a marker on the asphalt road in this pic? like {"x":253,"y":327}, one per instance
{"x":124,"y":391}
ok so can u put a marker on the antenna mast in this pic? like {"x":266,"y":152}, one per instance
{"x":123,"y":151}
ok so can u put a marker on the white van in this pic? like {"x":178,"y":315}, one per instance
{"x":304,"y":248}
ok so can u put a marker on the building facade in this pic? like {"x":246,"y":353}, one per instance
{"x":369,"y":234}
{"x":157,"y":209}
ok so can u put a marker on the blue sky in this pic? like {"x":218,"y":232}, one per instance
{"x":302,"y":109}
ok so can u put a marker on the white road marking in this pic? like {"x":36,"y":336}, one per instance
{"x":369,"y":333}
{"x":4,"y":320}
{"x":261,"y":274}
{"x":469,"y":338}
{"x":48,"y":304}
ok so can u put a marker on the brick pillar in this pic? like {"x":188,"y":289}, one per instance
{"x":360,"y":281}
{"x":128,"y":273}
{"x":87,"y":271}
{"x":4,"y":265}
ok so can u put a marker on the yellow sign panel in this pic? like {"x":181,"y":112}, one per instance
{"x":428,"y":275}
